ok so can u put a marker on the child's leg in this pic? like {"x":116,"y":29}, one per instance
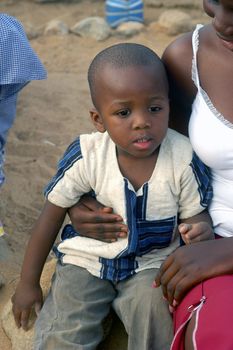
{"x":144,"y":313}
{"x":71,"y":317}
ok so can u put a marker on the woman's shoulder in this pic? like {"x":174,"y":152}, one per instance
{"x":177,"y":58}
{"x":178,"y":54}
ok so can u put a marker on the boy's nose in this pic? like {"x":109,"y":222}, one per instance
{"x":141,"y":121}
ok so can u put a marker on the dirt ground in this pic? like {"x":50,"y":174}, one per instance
{"x":50,"y":115}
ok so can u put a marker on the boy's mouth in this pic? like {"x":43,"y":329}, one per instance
{"x":142,"y":140}
{"x":143,"y":143}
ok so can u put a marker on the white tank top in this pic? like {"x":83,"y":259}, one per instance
{"x":211,"y":136}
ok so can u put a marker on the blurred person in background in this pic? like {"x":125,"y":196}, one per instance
{"x":19,"y":65}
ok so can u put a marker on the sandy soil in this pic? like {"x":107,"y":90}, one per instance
{"x":50,"y":115}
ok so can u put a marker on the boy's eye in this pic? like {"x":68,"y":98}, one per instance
{"x":154,"y":109}
{"x":123,"y":113}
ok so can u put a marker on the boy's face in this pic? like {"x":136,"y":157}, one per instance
{"x":133,"y":107}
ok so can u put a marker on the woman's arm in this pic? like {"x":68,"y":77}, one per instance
{"x":177,"y":59}
{"x":92,"y":219}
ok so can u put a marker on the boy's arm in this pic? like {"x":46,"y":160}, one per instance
{"x":28,"y":293}
{"x":197,"y":228}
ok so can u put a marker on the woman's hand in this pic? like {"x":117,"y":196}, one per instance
{"x":91,"y":219}
{"x":191,"y":264}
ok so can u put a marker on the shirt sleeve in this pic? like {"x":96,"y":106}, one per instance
{"x":196,"y":189}
{"x":19,"y":62}
{"x":71,"y":180}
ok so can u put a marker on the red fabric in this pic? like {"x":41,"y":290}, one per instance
{"x":215,"y":321}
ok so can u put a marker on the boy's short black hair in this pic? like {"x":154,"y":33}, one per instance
{"x":121,"y":56}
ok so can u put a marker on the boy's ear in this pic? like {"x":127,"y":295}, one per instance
{"x":97,"y":120}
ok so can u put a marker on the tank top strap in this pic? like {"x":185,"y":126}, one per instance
{"x":195,"y":45}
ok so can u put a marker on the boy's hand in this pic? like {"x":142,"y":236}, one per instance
{"x":25,"y":299}
{"x":195,"y":232}
{"x":91,"y":219}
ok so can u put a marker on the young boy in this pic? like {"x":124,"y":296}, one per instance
{"x":146,"y":173}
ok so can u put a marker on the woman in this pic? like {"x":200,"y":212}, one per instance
{"x":200,"y":69}
{"x":208,"y":54}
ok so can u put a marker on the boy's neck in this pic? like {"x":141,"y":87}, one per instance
{"x":137,"y":170}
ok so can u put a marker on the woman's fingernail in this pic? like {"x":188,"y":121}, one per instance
{"x":122,"y":234}
{"x":171,"y":309}
{"x":174,"y":303}
{"x":154,"y":285}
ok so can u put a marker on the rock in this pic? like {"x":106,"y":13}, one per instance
{"x":56,"y":27}
{"x":93,"y":27}
{"x":175,"y":22}
{"x":47,"y":1}
{"x":128,"y":29}
{"x":7,"y":2}
{"x":174,"y":3}
{"x":31,"y":31}
{"x":154,"y":3}
{"x":18,"y":337}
